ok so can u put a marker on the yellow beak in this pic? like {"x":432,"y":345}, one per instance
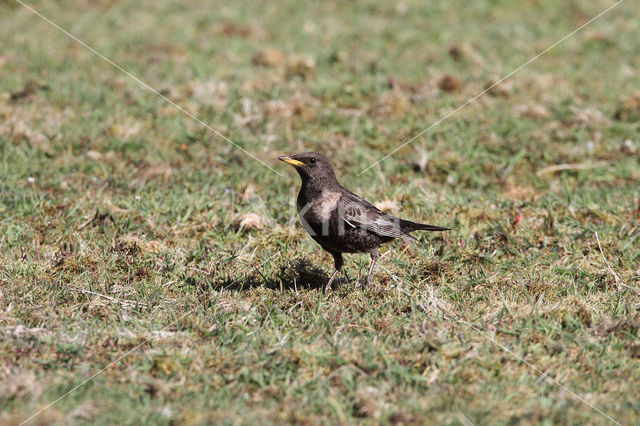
{"x":291,"y":161}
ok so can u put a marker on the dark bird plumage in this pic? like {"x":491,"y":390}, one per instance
{"x":339,"y":220}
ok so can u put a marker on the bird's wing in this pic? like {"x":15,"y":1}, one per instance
{"x":359,"y":213}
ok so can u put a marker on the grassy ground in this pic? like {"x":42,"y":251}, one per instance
{"x":126,"y":228}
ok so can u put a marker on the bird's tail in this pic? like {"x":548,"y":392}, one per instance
{"x":408,"y":226}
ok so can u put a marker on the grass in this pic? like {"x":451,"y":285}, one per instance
{"x":129,"y":232}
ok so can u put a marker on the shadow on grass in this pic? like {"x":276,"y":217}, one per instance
{"x":295,"y":274}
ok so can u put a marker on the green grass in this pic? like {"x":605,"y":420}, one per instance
{"x":120,"y":215}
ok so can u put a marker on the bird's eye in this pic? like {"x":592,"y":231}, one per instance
{"x":312,"y":160}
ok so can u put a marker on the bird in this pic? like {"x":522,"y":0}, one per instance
{"x":339,"y":220}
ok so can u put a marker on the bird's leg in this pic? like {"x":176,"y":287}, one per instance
{"x":374,"y":257}
{"x":338,"y":262}
{"x":328,"y":286}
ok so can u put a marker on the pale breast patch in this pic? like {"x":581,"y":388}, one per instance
{"x":326,"y":203}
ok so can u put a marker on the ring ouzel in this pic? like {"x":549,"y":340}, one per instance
{"x":339,"y":220}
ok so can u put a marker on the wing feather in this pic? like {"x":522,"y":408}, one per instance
{"x":362,"y":214}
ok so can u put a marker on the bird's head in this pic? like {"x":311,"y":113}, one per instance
{"x":312,"y":167}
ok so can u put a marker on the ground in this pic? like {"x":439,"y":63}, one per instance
{"x":135,"y":240}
